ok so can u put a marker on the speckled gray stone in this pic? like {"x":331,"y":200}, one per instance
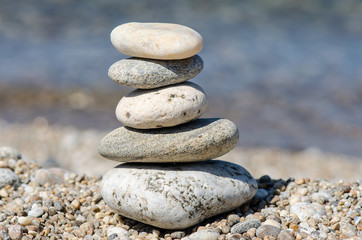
{"x":149,"y":73}
{"x":267,"y":230}
{"x":199,"y":140}
{"x":176,"y":196}
{"x":162,"y":107}
{"x":244,"y":226}
{"x":8,"y":177}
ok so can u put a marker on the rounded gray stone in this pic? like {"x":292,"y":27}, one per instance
{"x":150,"y":73}
{"x":162,"y":107}
{"x":245,"y":226}
{"x":199,"y":140}
{"x":176,"y":196}
{"x":267,"y":230}
{"x":8,"y":177}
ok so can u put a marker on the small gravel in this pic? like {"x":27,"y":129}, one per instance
{"x":74,"y":209}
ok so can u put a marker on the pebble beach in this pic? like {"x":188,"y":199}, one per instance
{"x":172,"y":174}
{"x":55,"y":203}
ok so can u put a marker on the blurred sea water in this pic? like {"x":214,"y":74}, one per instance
{"x":287,"y":72}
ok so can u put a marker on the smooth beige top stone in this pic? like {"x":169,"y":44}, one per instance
{"x":164,"y":41}
{"x":162,"y":107}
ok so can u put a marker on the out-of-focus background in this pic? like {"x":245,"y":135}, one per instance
{"x":288,"y":73}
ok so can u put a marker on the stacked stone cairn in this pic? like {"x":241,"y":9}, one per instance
{"x":170,"y":180}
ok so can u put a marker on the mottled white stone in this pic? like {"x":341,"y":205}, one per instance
{"x":176,"y":196}
{"x":164,"y":41}
{"x":308,"y":210}
{"x":162,"y":107}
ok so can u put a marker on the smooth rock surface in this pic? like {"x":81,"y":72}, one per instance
{"x":164,"y":41}
{"x":308,"y":210}
{"x":199,"y":140}
{"x":50,"y":176}
{"x":36,"y":211}
{"x":8,"y":177}
{"x":267,"y":230}
{"x":176,"y":196}
{"x":205,"y":234}
{"x":162,"y":107}
{"x":244,"y":226}
{"x":150,"y":73}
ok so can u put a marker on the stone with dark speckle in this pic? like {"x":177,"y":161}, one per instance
{"x":198,"y":140}
{"x":176,"y":196}
{"x":245,"y":226}
{"x":150,"y":73}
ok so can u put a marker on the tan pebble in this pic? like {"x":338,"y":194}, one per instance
{"x":335,"y":226}
{"x":156,"y":40}
{"x":260,"y":216}
{"x":32,"y":228}
{"x":269,"y":238}
{"x":3,"y":193}
{"x":298,"y":236}
{"x":294,"y":199}
{"x":32,"y":233}
{"x":201,"y":228}
{"x":221,"y":237}
{"x":88,"y":228}
{"x":225,"y":229}
{"x":272,"y":223}
{"x":3,"y":164}
{"x":251,"y":232}
{"x":275,"y":199}
{"x":294,"y":227}
{"x":106,"y":219}
{"x":353,"y":193}
{"x":113,"y":221}
{"x":75,"y":204}
{"x":69,"y":216}
{"x":299,"y":181}
{"x":156,"y":232}
{"x":45,"y":232}
{"x":24,"y":221}
{"x":99,"y":215}
{"x":69,"y":229}
{"x":235,"y":236}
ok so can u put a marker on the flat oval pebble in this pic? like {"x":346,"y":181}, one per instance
{"x":199,"y":140}
{"x":176,"y":196}
{"x":164,"y":41}
{"x":162,"y":107}
{"x":149,"y":73}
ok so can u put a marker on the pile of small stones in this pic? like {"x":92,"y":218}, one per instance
{"x":170,"y":180}
{"x":38,"y":203}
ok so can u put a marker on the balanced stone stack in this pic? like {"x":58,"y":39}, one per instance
{"x":170,"y":180}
